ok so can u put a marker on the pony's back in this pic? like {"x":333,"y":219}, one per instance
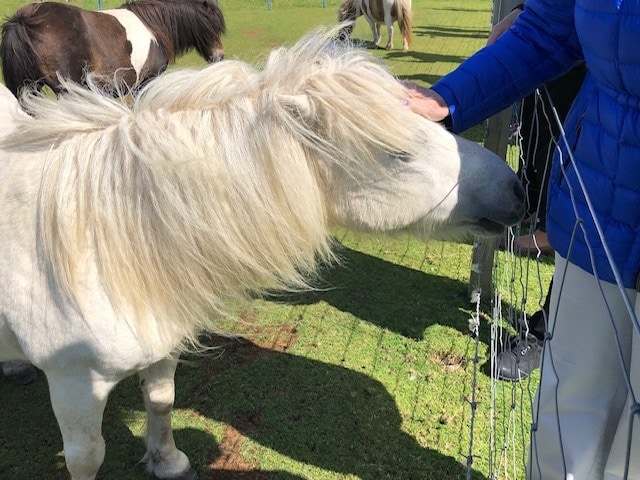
{"x":9,"y":111}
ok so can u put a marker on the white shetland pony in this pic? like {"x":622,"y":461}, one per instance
{"x":128,"y":229}
{"x":378,"y":13}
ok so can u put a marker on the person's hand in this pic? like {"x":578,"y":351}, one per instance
{"x":425,"y":102}
{"x":503,"y":25}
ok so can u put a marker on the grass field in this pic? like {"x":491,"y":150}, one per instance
{"x":372,"y":377}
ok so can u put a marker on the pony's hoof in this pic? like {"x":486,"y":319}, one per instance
{"x":189,"y":474}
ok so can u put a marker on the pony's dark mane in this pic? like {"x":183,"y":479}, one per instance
{"x":348,"y":11}
{"x":15,"y":36}
{"x":180,"y":25}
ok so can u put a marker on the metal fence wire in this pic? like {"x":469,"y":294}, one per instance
{"x":516,"y":447}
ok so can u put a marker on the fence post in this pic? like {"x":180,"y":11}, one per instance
{"x":495,"y":140}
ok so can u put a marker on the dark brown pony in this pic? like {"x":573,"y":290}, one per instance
{"x":123,"y":47}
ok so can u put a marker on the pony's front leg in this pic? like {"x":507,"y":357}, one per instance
{"x":389,"y":21}
{"x":163,"y":459}
{"x":375,"y":30}
{"x":78,"y":402}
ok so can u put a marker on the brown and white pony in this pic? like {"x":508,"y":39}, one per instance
{"x":378,"y":12}
{"x":123,"y":46}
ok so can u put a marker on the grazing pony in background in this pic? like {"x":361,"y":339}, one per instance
{"x":124,"y":46}
{"x":129,"y":228}
{"x":378,"y":12}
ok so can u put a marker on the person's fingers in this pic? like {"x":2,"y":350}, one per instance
{"x":425,"y":102}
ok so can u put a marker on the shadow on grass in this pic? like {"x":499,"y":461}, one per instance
{"x":457,"y":9}
{"x":318,"y":414}
{"x":449,"y":32}
{"x":391,"y":296}
{"x":321,"y":415}
{"x":31,"y":444}
{"x":315,"y":413}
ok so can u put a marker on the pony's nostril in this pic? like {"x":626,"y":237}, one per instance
{"x":215,"y":57}
{"x":518,"y":190}
{"x":520,"y":194}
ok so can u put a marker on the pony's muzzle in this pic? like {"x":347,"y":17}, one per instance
{"x":510,"y":210}
{"x":215,"y":56}
{"x":521,"y":196}
{"x":517,"y":211}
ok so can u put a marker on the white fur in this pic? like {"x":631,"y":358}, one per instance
{"x":127,"y":229}
{"x":9,"y":111}
{"x":137,"y":33}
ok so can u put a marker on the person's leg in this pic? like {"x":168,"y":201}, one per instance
{"x":582,"y":389}
{"x":539,"y":320}
{"x":618,"y":461}
{"x":522,"y":355}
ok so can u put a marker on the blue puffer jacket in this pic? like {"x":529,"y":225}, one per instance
{"x":602,"y":128}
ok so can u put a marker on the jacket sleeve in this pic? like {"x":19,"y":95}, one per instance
{"x":540,"y":46}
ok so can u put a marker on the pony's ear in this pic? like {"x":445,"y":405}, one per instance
{"x":298,"y":104}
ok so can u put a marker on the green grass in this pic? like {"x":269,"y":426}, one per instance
{"x":369,"y":377}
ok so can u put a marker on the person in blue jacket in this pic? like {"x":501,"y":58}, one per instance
{"x":586,"y":422}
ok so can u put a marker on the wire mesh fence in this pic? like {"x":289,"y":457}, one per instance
{"x":580,"y":424}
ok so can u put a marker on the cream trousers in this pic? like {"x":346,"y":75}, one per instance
{"x":583,"y":407}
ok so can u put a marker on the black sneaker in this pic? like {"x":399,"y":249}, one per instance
{"x":520,"y":359}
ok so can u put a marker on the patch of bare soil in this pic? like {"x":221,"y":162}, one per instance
{"x":231,"y":464}
{"x":251,"y":33}
{"x":257,"y":342}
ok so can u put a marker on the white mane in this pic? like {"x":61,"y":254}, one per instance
{"x":210,"y":185}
